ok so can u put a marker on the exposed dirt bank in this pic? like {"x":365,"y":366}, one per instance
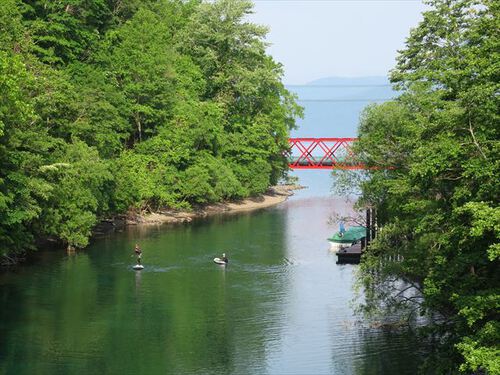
{"x":275,"y":195}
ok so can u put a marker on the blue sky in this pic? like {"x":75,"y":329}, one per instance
{"x":323,"y":38}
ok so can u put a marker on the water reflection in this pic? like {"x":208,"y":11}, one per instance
{"x":138,"y":276}
{"x":281,"y":306}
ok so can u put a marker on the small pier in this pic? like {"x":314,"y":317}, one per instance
{"x":350,"y":255}
{"x":359,"y":237}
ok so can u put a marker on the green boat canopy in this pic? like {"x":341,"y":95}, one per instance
{"x":351,"y":235}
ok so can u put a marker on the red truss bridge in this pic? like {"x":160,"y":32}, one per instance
{"x":322,"y":153}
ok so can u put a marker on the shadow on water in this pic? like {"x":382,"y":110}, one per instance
{"x":281,"y":306}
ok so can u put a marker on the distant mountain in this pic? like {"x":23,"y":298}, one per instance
{"x":332,"y":105}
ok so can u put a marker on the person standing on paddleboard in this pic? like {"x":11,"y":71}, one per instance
{"x":138,"y":252}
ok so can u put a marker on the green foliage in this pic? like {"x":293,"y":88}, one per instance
{"x":79,"y":181}
{"x":22,"y":145}
{"x":438,"y":206}
{"x":142,"y":181}
{"x":109,"y":106}
{"x":11,"y":27}
{"x":63,"y":32}
{"x":100,"y":113}
{"x":258,"y":111}
{"x":139,"y":58}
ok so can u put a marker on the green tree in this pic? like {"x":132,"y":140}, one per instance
{"x":115,"y":105}
{"x":22,"y":145}
{"x":100,"y":111}
{"x":140,"y":58}
{"x":80,"y":183}
{"x":439,"y":204}
{"x":258,"y":111}
{"x":64,"y":32}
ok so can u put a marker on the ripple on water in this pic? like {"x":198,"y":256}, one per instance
{"x":266,"y":268}
{"x":147,"y":267}
{"x":160,"y":269}
{"x":281,"y":306}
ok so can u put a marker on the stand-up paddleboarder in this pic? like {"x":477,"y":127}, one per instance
{"x":138,"y":252}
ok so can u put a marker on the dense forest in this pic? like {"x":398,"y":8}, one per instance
{"x":115,"y":105}
{"x":434,"y":182}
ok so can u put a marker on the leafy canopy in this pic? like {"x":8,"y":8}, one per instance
{"x":438,"y":206}
{"x":113,"y":106}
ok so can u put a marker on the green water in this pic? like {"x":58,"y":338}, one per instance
{"x":281,"y":306}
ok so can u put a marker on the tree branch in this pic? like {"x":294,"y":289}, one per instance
{"x":475,"y":140}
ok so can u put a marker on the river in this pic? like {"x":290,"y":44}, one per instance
{"x":281,"y":306}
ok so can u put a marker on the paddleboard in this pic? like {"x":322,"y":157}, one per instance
{"x":219,"y":261}
{"x":138,"y":267}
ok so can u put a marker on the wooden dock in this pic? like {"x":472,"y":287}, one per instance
{"x":350,"y":255}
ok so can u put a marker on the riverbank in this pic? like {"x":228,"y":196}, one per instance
{"x":272,"y":197}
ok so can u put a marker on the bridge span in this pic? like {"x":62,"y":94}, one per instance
{"x":323,"y":153}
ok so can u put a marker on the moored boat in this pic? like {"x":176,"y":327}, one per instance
{"x":346,"y":238}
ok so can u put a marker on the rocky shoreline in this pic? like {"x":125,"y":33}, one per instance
{"x":275,"y":195}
